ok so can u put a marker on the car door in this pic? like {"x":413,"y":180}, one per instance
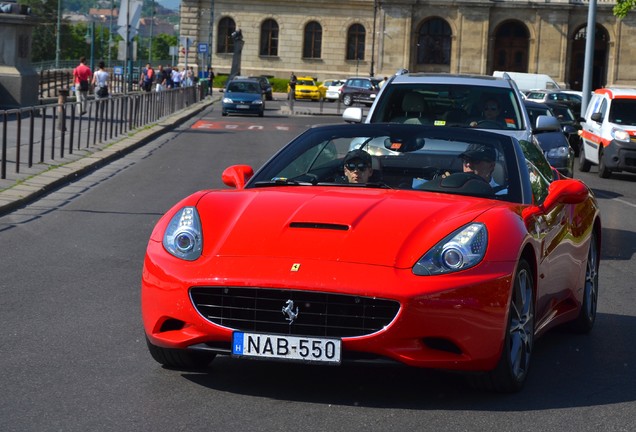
{"x":591,"y":131}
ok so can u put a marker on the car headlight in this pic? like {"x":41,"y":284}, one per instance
{"x":620,"y":135}
{"x":257,"y":102}
{"x":183,"y":237}
{"x":460,"y":250}
{"x":558,"y":152}
{"x":227,"y":100}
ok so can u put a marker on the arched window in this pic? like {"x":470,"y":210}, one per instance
{"x":434,"y":42}
{"x":269,"y":38}
{"x":355,"y":42}
{"x":224,"y":41}
{"x":313,"y":40}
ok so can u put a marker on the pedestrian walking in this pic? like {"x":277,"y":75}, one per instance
{"x":211,"y":76}
{"x":82,"y":79}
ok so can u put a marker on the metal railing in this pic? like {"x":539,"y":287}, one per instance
{"x":49,"y":135}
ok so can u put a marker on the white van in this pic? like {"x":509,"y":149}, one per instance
{"x":530,"y":81}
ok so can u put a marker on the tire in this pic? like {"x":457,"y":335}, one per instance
{"x":587,"y":315}
{"x":512,"y":368}
{"x":584,"y":164}
{"x":261,"y":114}
{"x":224,"y":114}
{"x":180,"y":359}
{"x":603,"y":171}
{"x":347,"y":100}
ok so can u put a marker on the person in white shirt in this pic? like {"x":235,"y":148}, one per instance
{"x":176,"y":78}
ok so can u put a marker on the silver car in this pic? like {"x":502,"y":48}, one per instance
{"x":453,"y":100}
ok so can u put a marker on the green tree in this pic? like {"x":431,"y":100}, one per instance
{"x":622,"y":7}
{"x":44,"y":33}
{"x":161,"y":44}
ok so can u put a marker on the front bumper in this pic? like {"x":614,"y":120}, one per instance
{"x":620,"y":156}
{"x":446,"y":322}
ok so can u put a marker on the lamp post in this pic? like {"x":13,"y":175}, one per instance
{"x":90,"y":39}
{"x":590,"y":39}
{"x":152,"y":22}
{"x":375,"y":15}
{"x":57,"y":35}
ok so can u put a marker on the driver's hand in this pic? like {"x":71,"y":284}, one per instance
{"x":473,"y":124}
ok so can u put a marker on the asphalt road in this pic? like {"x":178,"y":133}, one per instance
{"x":73,"y":354}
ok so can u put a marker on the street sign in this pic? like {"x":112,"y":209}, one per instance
{"x":118,"y":70}
{"x":202,"y":48}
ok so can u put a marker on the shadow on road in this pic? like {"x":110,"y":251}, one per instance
{"x":567,"y":371}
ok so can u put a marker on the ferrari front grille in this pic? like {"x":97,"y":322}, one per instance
{"x":301,"y":313}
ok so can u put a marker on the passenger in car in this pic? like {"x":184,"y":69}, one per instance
{"x":490,"y":115}
{"x":357,"y":166}
{"x":480,"y":159}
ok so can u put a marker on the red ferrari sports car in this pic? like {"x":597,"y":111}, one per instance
{"x":451,"y":249}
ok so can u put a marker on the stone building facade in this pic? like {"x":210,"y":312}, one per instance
{"x":330,"y":39}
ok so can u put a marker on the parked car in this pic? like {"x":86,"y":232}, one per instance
{"x":296,"y":264}
{"x":306,"y":88}
{"x":359,"y":90}
{"x":333,"y":91}
{"x":324,"y":86}
{"x":452,"y":101}
{"x":266,"y":87}
{"x":552,"y":141}
{"x":609,"y":132}
{"x":243,"y":96}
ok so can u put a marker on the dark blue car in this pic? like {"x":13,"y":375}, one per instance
{"x":243,"y":96}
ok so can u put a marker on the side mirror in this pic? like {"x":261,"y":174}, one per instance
{"x":352,"y":115}
{"x":547,"y":124}
{"x":597,"y":117}
{"x":237,"y":175}
{"x":565,"y":191}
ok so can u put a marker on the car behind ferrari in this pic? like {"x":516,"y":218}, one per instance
{"x":425,"y":263}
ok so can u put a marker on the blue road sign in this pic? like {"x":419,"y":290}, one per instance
{"x":203,"y":48}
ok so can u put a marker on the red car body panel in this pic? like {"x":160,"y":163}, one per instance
{"x":368,"y":240}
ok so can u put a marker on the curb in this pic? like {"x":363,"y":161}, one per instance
{"x":41,"y":184}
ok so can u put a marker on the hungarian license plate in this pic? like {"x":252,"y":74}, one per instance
{"x":242,"y":106}
{"x":285,"y":347}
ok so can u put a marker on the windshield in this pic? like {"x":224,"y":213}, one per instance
{"x":397,"y":157}
{"x":450,"y":105}
{"x":623,"y":112}
{"x":243,"y":87}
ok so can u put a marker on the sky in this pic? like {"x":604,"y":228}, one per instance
{"x":170,"y":4}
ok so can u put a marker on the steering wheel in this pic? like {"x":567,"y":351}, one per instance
{"x":490,"y":124}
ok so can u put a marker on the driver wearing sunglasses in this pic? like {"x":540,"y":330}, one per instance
{"x":357,"y":166}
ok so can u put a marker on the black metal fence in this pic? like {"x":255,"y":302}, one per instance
{"x":51,"y":134}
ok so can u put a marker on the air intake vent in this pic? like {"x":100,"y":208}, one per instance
{"x":317,"y":225}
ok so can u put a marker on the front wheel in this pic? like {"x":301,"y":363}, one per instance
{"x":587,"y":315}
{"x":584,"y":164}
{"x":603,"y":171}
{"x":512,"y":369}
{"x":347,"y":100}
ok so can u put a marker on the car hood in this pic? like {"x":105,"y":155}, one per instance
{"x":350,"y":224}
{"x":243,"y":97}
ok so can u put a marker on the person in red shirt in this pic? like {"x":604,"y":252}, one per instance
{"x":82,"y":78}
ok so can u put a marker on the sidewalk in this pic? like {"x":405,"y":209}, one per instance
{"x":47,"y":180}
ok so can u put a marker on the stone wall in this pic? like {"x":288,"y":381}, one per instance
{"x":551,"y":25}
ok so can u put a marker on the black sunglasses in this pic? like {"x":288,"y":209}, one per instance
{"x":360,"y":166}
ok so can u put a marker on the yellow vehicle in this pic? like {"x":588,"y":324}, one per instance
{"x":306,"y":88}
